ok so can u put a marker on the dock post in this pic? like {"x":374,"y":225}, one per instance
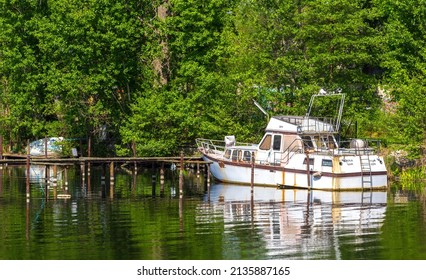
{"x":181,"y":175}
{"x":83,"y":175}
{"x":111,"y":179}
{"x":252,"y":172}
{"x":153,"y":180}
{"x":89,"y":179}
{"x":308,"y":170}
{"x":208,"y":179}
{"x":162,"y":179}
{"x":66,"y":179}
{"x":135,"y":168}
{"x":206,"y":174}
{"x":103,"y":172}
{"x":181,"y":227}
{"x":198,"y":170}
{"x":47,"y":180}
{"x":134,"y":178}
{"x":27,"y":221}
{"x":28,"y":173}
{"x":89,"y":154}
{"x":55,"y":181}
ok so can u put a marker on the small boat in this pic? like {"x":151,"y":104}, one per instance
{"x":46,"y":147}
{"x":299,"y":152}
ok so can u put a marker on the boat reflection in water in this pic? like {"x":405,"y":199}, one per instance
{"x":302,"y":224}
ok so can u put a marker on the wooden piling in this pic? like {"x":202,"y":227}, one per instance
{"x":208,"y":180}
{"x":135,"y":168}
{"x":111,"y":179}
{"x":134,"y":178}
{"x":162,"y":180}
{"x":28,"y":173}
{"x":55,"y":181}
{"x":89,"y":179}
{"x":103,"y":184}
{"x":308,"y":170}
{"x":47,"y":181}
{"x":83,"y":175}
{"x":135,"y":171}
{"x":181,"y":215}
{"x":181,"y":176}
{"x":198,"y":181}
{"x":66,"y":179}
{"x":153,"y":180}
{"x":252,"y":172}
{"x":198,"y":170}
{"x":89,"y":154}
{"x":27,"y":220}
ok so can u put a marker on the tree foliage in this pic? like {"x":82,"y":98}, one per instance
{"x":158,"y":74}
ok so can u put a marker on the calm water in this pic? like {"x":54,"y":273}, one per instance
{"x":227,"y":223}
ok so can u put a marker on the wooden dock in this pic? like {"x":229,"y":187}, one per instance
{"x":22,"y":159}
{"x":85,"y":164}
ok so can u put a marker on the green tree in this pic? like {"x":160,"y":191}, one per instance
{"x":404,"y":59}
{"x":21,"y":96}
{"x":188,"y":99}
{"x":92,"y":52}
{"x":72,"y":68}
{"x":294,"y":48}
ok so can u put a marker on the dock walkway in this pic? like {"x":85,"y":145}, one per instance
{"x":86,"y":162}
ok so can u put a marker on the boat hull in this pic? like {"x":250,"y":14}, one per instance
{"x":269,"y":175}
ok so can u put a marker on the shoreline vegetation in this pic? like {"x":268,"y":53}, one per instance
{"x":146,"y":78}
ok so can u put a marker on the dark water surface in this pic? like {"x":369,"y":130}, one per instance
{"x":127,"y":222}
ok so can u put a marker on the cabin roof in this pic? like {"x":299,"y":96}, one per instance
{"x":299,"y":124}
{"x":284,"y":123}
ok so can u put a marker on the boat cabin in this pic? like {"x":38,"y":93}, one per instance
{"x":284,"y":136}
{"x":239,"y":153}
{"x":287,"y":135}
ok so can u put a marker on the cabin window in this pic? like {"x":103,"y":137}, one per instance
{"x":324,"y":142}
{"x":331,"y":143}
{"x":234,"y":155}
{"x":316,"y":141}
{"x":266,"y":143}
{"x":327,"y":163}
{"x":227,"y":154}
{"x":311,"y":161}
{"x":307,"y":142}
{"x":247,"y":156}
{"x":328,"y":142}
{"x":276,"y":146}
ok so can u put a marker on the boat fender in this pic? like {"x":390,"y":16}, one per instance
{"x":357,"y":144}
{"x":317,"y":175}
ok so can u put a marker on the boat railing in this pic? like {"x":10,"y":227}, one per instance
{"x":210,"y":146}
{"x":217,"y":146}
{"x":359,"y":147}
{"x":356,"y":147}
{"x":296,"y":147}
{"x":317,"y":125}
